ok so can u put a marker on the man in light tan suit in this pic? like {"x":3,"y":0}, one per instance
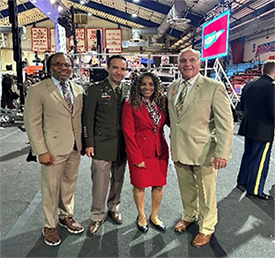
{"x":201,"y":142}
{"x":53,"y":124}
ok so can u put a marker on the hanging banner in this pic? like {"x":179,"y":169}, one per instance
{"x":80,"y":39}
{"x":113,"y":40}
{"x":52,"y":40}
{"x":39,"y":39}
{"x":215,"y":37}
{"x":92,"y":38}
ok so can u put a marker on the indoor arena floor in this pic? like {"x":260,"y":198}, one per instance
{"x":245,"y":227}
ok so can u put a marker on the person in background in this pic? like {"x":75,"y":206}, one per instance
{"x":6,"y":98}
{"x":144,"y":116}
{"x":201,"y":142}
{"x":53,"y":123}
{"x":257,"y":125}
{"x":105,"y":143}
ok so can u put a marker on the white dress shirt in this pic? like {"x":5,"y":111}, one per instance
{"x":189,"y":88}
{"x":59,"y":87}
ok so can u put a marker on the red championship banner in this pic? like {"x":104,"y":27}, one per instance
{"x":52,"y":40}
{"x":92,"y":38}
{"x":113,"y":40}
{"x":39,"y":39}
{"x":80,"y":39}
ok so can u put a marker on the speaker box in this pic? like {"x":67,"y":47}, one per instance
{"x":81,"y":18}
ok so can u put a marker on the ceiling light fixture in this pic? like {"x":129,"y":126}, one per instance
{"x":135,"y":1}
{"x":134,"y":15}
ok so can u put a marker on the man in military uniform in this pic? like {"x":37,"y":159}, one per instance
{"x":104,"y":142}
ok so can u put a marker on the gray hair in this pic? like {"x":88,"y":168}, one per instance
{"x":196,"y":52}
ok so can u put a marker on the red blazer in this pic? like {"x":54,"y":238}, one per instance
{"x":142,"y":140}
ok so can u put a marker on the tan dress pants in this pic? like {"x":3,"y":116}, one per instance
{"x":198,"y":193}
{"x":103,"y":173}
{"x":58,"y":183}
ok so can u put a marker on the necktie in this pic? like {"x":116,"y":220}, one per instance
{"x":179,"y":104}
{"x":66,"y":95}
{"x":118,"y":93}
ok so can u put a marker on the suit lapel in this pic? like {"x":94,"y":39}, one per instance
{"x":174,"y":91}
{"x":192,"y":95}
{"x":56,"y":93}
{"x":75,"y":94}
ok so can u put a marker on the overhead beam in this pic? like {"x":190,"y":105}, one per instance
{"x":123,"y":15}
{"x":252,"y":15}
{"x":152,"y":5}
{"x":21,"y":8}
{"x":5,"y":29}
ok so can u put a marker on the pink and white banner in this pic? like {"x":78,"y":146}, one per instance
{"x":52,"y":40}
{"x":92,"y":38}
{"x":113,"y":40}
{"x":39,"y":39}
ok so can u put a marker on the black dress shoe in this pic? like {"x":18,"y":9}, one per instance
{"x":241,"y":187}
{"x":143,"y":229}
{"x":262,"y":196}
{"x":160,"y":227}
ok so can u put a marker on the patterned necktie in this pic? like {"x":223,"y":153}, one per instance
{"x":179,"y":104}
{"x":66,"y":95}
{"x":118,"y":93}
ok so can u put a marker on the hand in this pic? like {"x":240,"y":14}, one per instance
{"x":46,"y":159}
{"x":89,"y":151}
{"x":219,"y":163}
{"x":141,"y":164}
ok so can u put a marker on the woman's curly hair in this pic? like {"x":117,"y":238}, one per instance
{"x":158,"y":95}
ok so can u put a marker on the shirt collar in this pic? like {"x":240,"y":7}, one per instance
{"x":191,"y":81}
{"x":57,"y":82}
{"x":113,"y":84}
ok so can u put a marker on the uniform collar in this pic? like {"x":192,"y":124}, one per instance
{"x":113,"y":84}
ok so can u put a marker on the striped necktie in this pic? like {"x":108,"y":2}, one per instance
{"x":66,"y":95}
{"x":180,"y":101}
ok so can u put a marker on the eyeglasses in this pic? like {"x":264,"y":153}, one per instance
{"x":59,"y":65}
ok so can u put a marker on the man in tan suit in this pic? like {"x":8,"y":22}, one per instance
{"x":53,"y":124}
{"x":201,"y":142}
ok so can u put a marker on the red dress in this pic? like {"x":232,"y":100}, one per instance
{"x":145,"y":143}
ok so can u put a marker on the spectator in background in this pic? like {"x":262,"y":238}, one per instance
{"x":257,"y":104}
{"x":6,"y":99}
{"x":144,"y":116}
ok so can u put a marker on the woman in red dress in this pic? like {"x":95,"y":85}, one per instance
{"x":143,"y":119}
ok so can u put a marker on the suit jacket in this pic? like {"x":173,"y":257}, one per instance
{"x":142,"y":139}
{"x":48,"y":121}
{"x":257,"y":103}
{"x":102,"y":117}
{"x":204,"y":129}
